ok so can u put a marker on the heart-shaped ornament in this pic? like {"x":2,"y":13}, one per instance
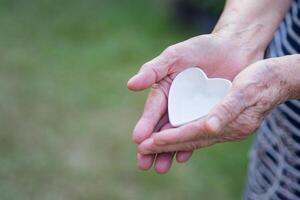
{"x":192,"y":95}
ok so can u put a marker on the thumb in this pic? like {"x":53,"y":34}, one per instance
{"x":226,"y":111}
{"x":152,"y":72}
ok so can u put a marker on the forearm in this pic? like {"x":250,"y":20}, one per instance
{"x":252,"y":21}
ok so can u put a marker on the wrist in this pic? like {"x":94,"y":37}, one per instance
{"x":287,"y":72}
{"x":241,"y":45}
{"x":291,"y":71}
{"x":244,"y":37}
{"x":251,"y":24}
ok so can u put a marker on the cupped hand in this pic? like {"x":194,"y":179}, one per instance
{"x":255,"y":92}
{"x":218,"y":55}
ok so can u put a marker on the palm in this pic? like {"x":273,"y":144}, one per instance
{"x":208,"y":52}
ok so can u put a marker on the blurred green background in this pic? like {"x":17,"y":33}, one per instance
{"x":66,"y":116}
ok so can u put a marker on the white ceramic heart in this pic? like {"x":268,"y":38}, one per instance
{"x":192,"y":95}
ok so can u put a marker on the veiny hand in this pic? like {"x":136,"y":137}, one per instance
{"x":255,"y":92}
{"x":217,"y":54}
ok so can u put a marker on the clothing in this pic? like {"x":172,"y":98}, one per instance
{"x":274,"y":170}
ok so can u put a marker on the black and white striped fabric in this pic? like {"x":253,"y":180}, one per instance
{"x":274,"y":171}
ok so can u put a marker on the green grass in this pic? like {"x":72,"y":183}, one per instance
{"x":66,"y":115}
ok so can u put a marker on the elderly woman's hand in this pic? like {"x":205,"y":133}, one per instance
{"x":221,"y":54}
{"x":255,"y":92}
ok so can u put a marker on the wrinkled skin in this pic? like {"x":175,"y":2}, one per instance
{"x":255,"y":92}
{"x":218,"y":56}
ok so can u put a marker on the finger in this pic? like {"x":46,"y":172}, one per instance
{"x":155,"y":108}
{"x":151,"y":72}
{"x":164,"y":161}
{"x":185,"y":133}
{"x":145,"y":162}
{"x":211,"y":125}
{"x":183,"y":156}
{"x":162,"y":123}
{"x":149,"y":147}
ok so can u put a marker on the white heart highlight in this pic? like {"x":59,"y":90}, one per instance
{"x":192,"y":95}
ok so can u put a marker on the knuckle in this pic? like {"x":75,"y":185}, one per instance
{"x":172,"y":52}
{"x":155,"y":87}
{"x":200,"y":130}
{"x":250,"y":90}
{"x":159,"y":89}
{"x":247,"y":123}
{"x":207,"y":132}
{"x":245,"y":93}
{"x":191,"y":146}
{"x":147,"y":65}
{"x":225,"y":110}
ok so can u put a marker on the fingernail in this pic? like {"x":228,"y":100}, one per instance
{"x":139,"y":156}
{"x":214,"y":124}
{"x":136,"y":76}
{"x":133,"y":78}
